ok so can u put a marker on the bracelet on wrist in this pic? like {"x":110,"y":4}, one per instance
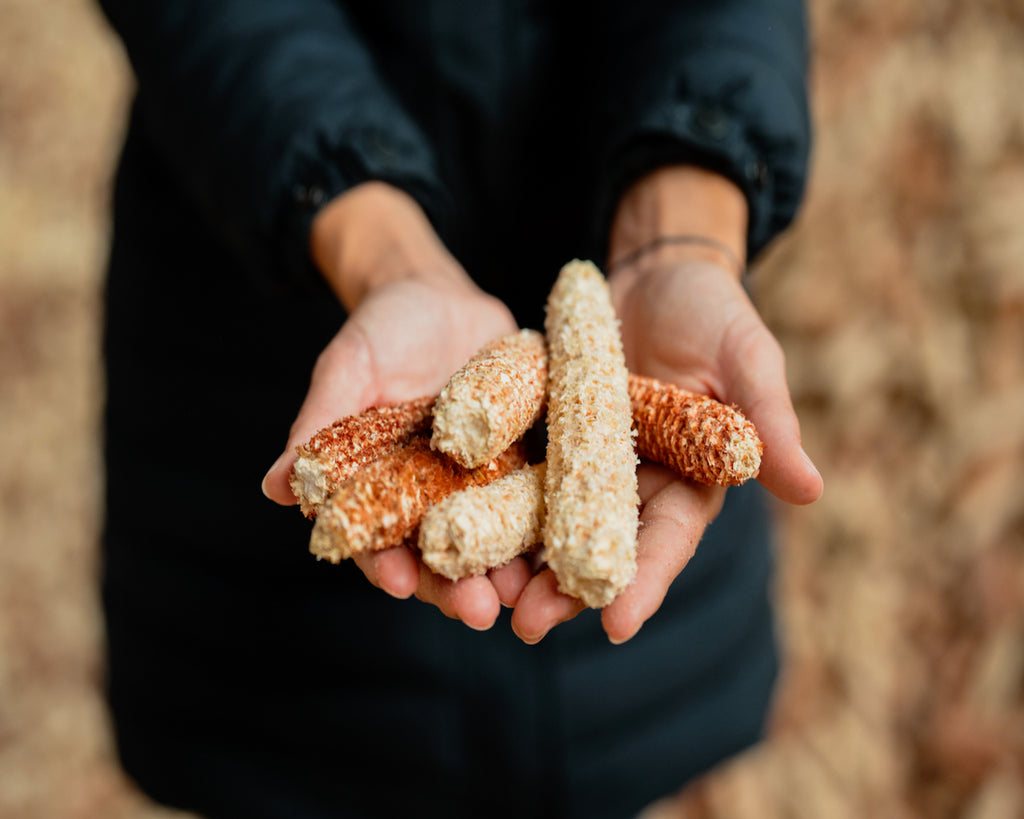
{"x":679,"y":239}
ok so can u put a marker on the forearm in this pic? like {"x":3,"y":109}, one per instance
{"x":702,"y":213}
{"x":374,"y":234}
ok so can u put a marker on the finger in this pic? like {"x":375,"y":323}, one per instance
{"x":651,"y":478}
{"x":340,"y":379}
{"x":472,"y":600}
{"x":395,"y":571}
{"x":758,"y":386}
{"x":671,"y":525}
{"x":541,"y":607}
{"x":510,"y":580}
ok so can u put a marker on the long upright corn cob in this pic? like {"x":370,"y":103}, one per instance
{"x":483,"y":527}
{"x":590,"y":488}
{"x":697,"y":436}
{"x":492,"y":400}
{"x":381,"y":505}
{"x":338,"y":451}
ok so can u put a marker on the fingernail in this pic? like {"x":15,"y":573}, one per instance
{"x":810,"y":463}
{"x":266,"y":477}
{"x":530,"y":639}
{"x":618,"y":641}
{"x":397,"y":595}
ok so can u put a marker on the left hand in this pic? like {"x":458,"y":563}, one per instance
{"x":415,"y":318}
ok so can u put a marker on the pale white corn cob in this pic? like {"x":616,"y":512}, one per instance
{"x":483,"y":527}
{"x":337,"y":452}
{"x":382,"y":504}
{"x":492,"y":400}
{"x":590,"y":489}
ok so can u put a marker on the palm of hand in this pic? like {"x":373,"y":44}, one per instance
{"x":404,"y":341}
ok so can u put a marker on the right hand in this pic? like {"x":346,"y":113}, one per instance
{"x":415,"y":318}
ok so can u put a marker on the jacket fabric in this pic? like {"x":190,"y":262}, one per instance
{"x":245,"y":678}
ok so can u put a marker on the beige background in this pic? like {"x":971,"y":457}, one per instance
{"x":899,"y":298}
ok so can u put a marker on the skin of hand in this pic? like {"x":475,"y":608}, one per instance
{"x":686,"y":319}
{"x":415,"y":317}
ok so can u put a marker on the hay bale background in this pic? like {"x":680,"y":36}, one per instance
{"x":899,"y":298}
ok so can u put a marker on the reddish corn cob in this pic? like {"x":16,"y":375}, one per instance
{"x":492,"y":400}
{"x":337,"y":452}
{"x":590,"y":489}
{"x":697,"y":436}
{"x":483,"y":527}
{"x":382,"y":504}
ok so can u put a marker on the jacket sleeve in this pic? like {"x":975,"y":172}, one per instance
{"x":264,"y":110}
{"x":721,"y":84}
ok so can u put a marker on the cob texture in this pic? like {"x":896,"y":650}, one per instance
{"x":338,"y":451}
{"x":492,"y":400}
{"x":695,"y":435}
{"x":481,"y":528}
{"x":382,"y":504}
{"x":590,"y":489}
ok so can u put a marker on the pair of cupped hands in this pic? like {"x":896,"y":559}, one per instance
{"x":415,"y":317}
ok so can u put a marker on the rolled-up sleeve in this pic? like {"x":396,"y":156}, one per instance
{"x":720,"y":84}
{"x":265,"y":110}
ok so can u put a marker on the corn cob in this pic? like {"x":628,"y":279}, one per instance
{"x":697,"y":436}
{"x":484,"y":527}
{"x":492,"y":400}
{"x":337,"y":452}
{"x":382,"y":504}
{"x":590,"y":488}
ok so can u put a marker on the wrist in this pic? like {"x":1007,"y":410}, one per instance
{"x":374,"y":234}
{"x":678,"y":214}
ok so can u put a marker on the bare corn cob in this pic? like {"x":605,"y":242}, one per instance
{"x":492,"y":400}
{"x":382,"y":504}
{"x":697,"y":436}
{"x":483,"y":527}
{"x":590,"y":489}
{"x":337,"y":452}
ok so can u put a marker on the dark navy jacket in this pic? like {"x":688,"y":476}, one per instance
{"x":247,"y":680}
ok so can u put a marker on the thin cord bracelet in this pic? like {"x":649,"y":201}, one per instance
{"x":679,"y":239}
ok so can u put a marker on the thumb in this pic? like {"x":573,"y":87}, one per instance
{"x":341,"y":384}
{"x":758,"y":386}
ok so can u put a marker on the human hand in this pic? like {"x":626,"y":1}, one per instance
{"x":685,"y":319}
{"x":415,"y":318}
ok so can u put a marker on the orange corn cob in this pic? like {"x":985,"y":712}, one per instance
{"x":492,"y":400}
{"x":483,"y":527}
{"x":590,"y":489}
{"x":382,"y":504}
{"x":695,"y":435}
{"x":337,"y":452}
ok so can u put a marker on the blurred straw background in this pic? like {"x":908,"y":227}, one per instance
{"x":899,"y":298}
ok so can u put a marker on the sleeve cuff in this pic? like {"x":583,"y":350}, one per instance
{"x":769,"y":167}
{"x":319,"y":168}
